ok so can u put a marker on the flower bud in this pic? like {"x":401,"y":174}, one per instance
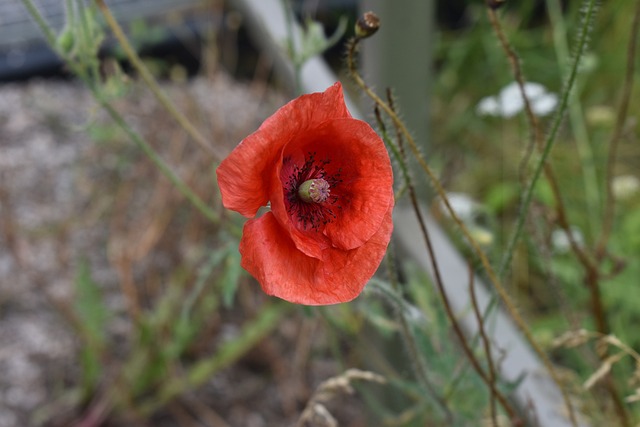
{"x":66,"y":41}
{"x":367,"y":25}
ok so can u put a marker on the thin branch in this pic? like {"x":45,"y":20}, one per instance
{"x":410,"y":341}
{"x":576,"y":117}
{"x":432,"y":257}
{"x":159,"y":162}
{"x":592,"y":273}
{"x":487,"y":347}
{"x":493,"y":278}
{"x":135,"y":137}
{"x":546,"y":150}
{"x":41,"y":22}
{"x":536,"y":139}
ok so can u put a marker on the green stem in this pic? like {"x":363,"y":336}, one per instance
{"x":486,"y":343}
{"x":491,"y":274}
{"x":69,"y":11}
{"x":536,"y":140}
{"x":400,"y":155}
{"x":87,"y":27}
{"x":40,"y":21}
{"x":576,"y":118}
{"x":291,"y":47}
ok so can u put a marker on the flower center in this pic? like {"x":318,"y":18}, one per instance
{"x":314,"y":190}
{"x":309,"y":199}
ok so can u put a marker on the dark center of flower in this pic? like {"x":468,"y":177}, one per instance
{"x":308,"y":192}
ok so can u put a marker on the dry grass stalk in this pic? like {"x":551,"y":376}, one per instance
{"x":316,"y":413}
{"x":603,"y":370}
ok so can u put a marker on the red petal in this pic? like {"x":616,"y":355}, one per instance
{"x":285,"y":272}
{"x":245,"y":175}
{"x":311,"y":243}
{"x":365,"y":194}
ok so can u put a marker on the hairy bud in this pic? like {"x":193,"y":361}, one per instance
{"x":367,"y":25}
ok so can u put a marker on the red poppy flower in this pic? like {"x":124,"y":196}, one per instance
{"x":328,"y":179}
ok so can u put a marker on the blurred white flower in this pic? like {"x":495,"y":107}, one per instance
{"x":560,"y":241}
{"x":625,"y":186}
{"x":462,"y":204}
{"x":482,"y":236}
{"x":509,"y":101}
{"x":473,"y":214}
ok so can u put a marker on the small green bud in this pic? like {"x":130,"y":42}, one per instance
{"x":367,"y":25}
{"x":66,"y":41}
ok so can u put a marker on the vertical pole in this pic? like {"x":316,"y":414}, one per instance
{"x":399,"y":57}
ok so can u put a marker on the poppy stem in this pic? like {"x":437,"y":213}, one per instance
{"x":400,"y":155}
{"x":491,"y":274}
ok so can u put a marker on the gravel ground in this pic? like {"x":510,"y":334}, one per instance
{"x":50,"y":172}
{"x":38,"y":151}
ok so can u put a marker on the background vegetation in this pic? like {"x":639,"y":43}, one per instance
{"x":192,"y":340}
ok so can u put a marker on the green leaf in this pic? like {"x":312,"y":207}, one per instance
{"x":93,"y":315}
{"x":231,"y":277}
{"x":66,"y":41}
{"x":90,"y":306}
{"x":228,"y":352}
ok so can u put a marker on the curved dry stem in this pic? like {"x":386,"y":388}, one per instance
{"x":151,"y":82}
{"x":590,"y":266}
{"x":535,"y":135}
{"x":535,"y":140}
{"x":592,"y":273}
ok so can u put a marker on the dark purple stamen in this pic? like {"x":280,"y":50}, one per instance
{"x":308,"y":193}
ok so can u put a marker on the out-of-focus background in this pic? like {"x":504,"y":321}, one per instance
{"x":121,"y":305}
